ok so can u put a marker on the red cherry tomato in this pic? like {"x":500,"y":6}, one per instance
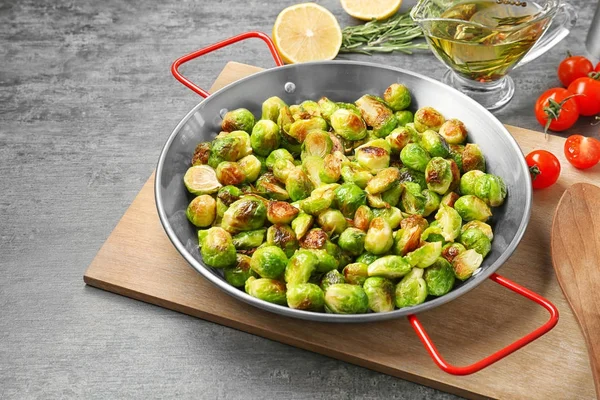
{"x":582,"y":152}
{"x":597,"y":69}
{"x":556,"y":109}
{"x":588,"y":99}
{"x":573,"y":67}
{"x":544,"y":168}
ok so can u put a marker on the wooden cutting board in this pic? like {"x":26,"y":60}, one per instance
{"x":139,"y":261}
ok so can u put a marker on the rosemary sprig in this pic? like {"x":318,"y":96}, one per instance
{"x":394,"y":34}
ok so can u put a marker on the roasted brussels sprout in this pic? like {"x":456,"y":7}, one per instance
{"x":251,"y":167}
{"x":201,"y":179}
{"x":268,"y":186}
{"x":282,"y":169}
{"x":284,"y":120}
{"x":466,"y":263}
{"x":245,"y":214}
{"x":407,"y":240}
{"x":451,"y":250}
{"x":398,"y":139}
{"x":201,"y":153}
{"x":397,"y":96}
{"x":298,"y":185}
{"x":449,"y":221}
{"x":331,"y":278}
{"x":276,"y":155}
{"x":411,"y":290}
{"x":343,"y":298}
{"x":202,"y":211}
{"x":302,"y":224}
{"x":300,"y":267}
{"x":354,"y":173}
{"x":456,"y":151}
{"x":217,"y":248}
{"x":367,"y":258}
{"x":414,"y":156}
{"x":482,"y":226}
{"x":270,"y":290}
{"x":380,"y":292}
{"x":302,"y":127}
{"x":472,"y":158}
{"x":432,"y":202}
{"x":283,"y":237}
{"x":373,"y":158}
{"x":435,"y":145}
{"x":305,"y":110}
{"x":348,"y":198}
{"x":392,"y":195}
{"x":439,"y":277}
{"x":271,"y":107}
{"x":332,"y":221}
{"x":316,"y":238}
{"x":327,"y":108}
{"x":442,"y":175}
{"x":265,"y":137}
{"x":383,"y":181}
{"x":352,"y":240}
{"x":314,"y":205}
{"x":391,"y":267}
{"x":433,"y":233}
{"x":377,"y":114}
{"x":411,"y":175}
{"x":392,"y":215}
{"x":477,"y":240}
{"x":404,"y":117}
{"x":450,"y":198}
{"x":425,"y":255}
{"x":305,"y":296}
{"x":225,"y":197}
{"x":356,"y":273}
{"x":348,"y":106}
{"x":428,"y":118}
{"x":229,"y":147}
{"x":327,"y":262}
{"x":230,"y":173}
{"x":491,"y":189}
{"x":472,"y":208}
{"x":363,"y":217}
{"x":332,"y":169}
{"x":238,"y":120}
{"x":316,"y":143}
{"x":412,"y":200}
{"x":238,"y":275}
{"x":348,"y":125}
{"x":379,"y":239}
{"x":269,"y":262}
{"x":467,"y":181}
{"x":454,"y":131}
{"x":414,"y":220}
{"x":281,"y":212}
{"x":249,"y":239}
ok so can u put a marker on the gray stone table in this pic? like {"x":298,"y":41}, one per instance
{"x":86,"y":103}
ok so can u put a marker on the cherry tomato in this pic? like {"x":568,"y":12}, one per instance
{"x":556,"y":109}
{"x":597,"y":69}
{"x":588,"y":99}
{"x":544,"y":168}
{"x":573,"y":67}
{"x":582,"y":152}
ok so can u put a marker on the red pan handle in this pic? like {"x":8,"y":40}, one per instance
{"x":175,"y":66}
{"x":500,"y":354}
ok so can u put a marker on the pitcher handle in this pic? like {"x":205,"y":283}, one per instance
{"x":565,"y":19}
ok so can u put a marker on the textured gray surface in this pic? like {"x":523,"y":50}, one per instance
{"x":86,"y":103}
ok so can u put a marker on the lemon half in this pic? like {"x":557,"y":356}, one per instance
{"x":367,"y":10}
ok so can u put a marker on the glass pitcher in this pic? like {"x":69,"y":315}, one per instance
{"x":481,"y":41}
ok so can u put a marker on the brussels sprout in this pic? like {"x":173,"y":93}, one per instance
{"x":433,"y":233}
{"x":302,"y":127}
{"x":217,"y":248}
{"x":331,"y":278}
{"x":225,"y":197}
{"x":246,"y":214}
{"x":305,"y":296}
{"x":439,"y":277}
{"x":332,"y":169}
{"x":202,"y":211}
{"x":230,"y":147}
{"x":348,"y":198}
{"x":201,"y":153}
{"x":327,"y":262}
{"x":298,"y":185}
{"x":300,"y":267}
{"x":317,"y":143}
{"x":282,"y":169}
{"x":356,"y":273}
{"x":451,"y":250}
{"x":466,"y":263}
{"x":397,"y":96}
{"x":327,"y":108}
{"x":230,"y":173}
{"x":428,"y":118}
{"x":314,"y":168}
{"x":354,"y":173}
{"x":375,"y":201}
{"x":284,"y":120}
{"x":432,"y":201}
{"x":283,"y":237}
{"x":343,"y":298}
{"x":363,"y":217}
{"x":412,"y":201}
{"x":301,"y":224}
{"x":249,"y":239}
{"x":390,"y":267}
{"x":268,"y":186}
{"x":372,"y":158}
{"x":348,"y":125}
{"x":482,"y":226}
{"x":348,"y":106}
{"x":491,"y":189}
{"x":425,"y":255}
{"x":380,"y":292}
{"x":472,"y":208}
{"x":392,"y":195}
{"x":332,"y":221}
{"x":398,"y":139}
{"x":377,"y":114}
{"x":407,"y":240}
{"x":201,"y":179}
{"x":477,"y":240}
{"x":467,"y":181}
{"x":411,"y":290}
{"x":392,"y":215}
{"x":276,"y":155}
{"x":352,"y":240}
{"x":316,"y":238}
{"x":414,"y":156}
{"x":250,"y":166}
{"x":454,"y":131}
{"x":456,"y":151}
{"x":202,"y":233}
{"x":269,"y":290}
{"x":442,"y":175}
{"x":379,"y":239}
{"x":472,"y":158}
{"x":414,"y":220}
{"x":281,"y":212}
{"x":383,"y":181}
{"x":404,"y":117}
{"x":366,"y":258}
{"x":269,"y":262}
{"x":238,"y":120}
{"x":449,"y":221}
{"x":315,"y":205}
{"x":411,"y":175}
{"x":238,"y":275}
{"x":265,"y":137}
{"x":449,"y":199}
{"x":435,"y":145}
{"x":305,"y":110}
{"x":271,"y":107}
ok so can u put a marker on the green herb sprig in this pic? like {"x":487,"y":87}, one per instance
{"x":394,"y":34}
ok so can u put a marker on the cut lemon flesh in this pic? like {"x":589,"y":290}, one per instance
{"x":306,"y":32}
{"x":367,"y":10}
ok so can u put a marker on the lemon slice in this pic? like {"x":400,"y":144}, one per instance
{"x":306,"y":32}
{"x":371,"y":9}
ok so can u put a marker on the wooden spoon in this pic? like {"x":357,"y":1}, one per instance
{"x":576,"y":260}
